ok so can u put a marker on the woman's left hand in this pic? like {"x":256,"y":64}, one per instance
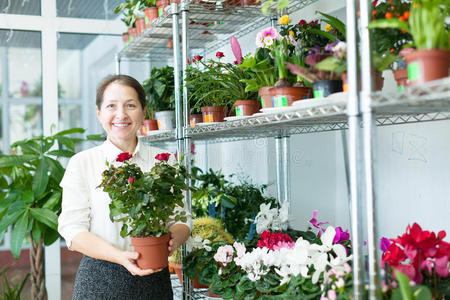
{"x":179,"y":233}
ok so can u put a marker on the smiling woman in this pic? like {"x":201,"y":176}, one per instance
{"x":108,"y":269}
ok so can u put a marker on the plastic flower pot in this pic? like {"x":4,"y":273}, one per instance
{"x":132,"y":32}
{"x":246,"y":107}
{"x":427,"y":65}
{"x":286,"y":96}
{"x":151,"y":13}
{"x":401,"y":76}
{"x":165,"y":119}
{"x":178,"y":270}
{"x":140,"y":25}
{"x":125,"y":38}
{"x":195,"y":118}
{"x":153,"y":251}
{"x":323,"y":88}
{"x":264,"y":96}
{"x":150,"y":125}
{"x":213,"y":113}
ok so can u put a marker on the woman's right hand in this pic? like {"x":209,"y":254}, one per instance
{"x":128,"y":260}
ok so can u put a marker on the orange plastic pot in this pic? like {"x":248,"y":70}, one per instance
{"x":132,"y":32}
{"x":213,"y":113}
{"x":151,"y":13}
{"x":153,"y":251}
{"x":264,"y":96}
{"x":246,"y":107}
{"x":401,"y":76}
{"x":194,"y":119}
{"x":286,"y":96}
{"x":140,"y":25}
{"x":427,"y":65}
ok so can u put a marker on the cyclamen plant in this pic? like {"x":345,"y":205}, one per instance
{"x":145,"y":201}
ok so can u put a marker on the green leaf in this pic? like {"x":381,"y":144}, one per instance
{"x":16,"y":160}
{"x":56,"y":169}
{"x":335,"y":23}
{"x":28,"y":196}
{"x":12,"y":215}
{"x":36,"y":232}
{"x":53,"y":200}
{"x":282,"y":4}
{"x":389,"y":23}
{"x":95,"y":137}
{"x":61,"y":153}
{"x":403,"y":282}
{"x":70,"y":131}
{"x":45,"y":216}
{"x":265,"y":7}
{"x":18,"y":235}
{"x":50,"y":236}
{"x":328,"y":35}
{"x":40,"y":179}
{"x":66,"y":141}
{"x":3,"y":182}
{"x":422,"y":292}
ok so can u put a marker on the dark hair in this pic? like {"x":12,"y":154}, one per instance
{"x":122,"y":79}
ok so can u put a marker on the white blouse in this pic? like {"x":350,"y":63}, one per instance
{"x":85,"y":207}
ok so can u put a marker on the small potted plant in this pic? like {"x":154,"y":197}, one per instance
{"x":426,"y":22}
{"x":261,"y":66}
{"x":129,"y":18}
{"x":204,"y":231}
{"x":160,"y":91}
{"x":145,"y":202}
{"x":150,"y":123}
{"x":150,"y":11}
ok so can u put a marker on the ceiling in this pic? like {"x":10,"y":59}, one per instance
{"x":93,"y":9}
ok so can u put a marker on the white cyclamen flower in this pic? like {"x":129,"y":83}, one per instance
{"x":224,"y":254}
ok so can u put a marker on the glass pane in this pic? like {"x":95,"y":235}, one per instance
{"x":24,"y":62}
{"x":25,"y":121}
{"x":87,"y":9}
{"x":69,"y":73}
{"x":21,"y":7}
{"x":69,"y":116}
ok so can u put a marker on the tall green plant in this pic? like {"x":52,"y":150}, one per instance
{"x":160,"y":88}
{"x":11,"y":291}
{"x":31,"y":196}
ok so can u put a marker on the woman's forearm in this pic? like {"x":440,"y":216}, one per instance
{"x":91,"y":245}
{"x":179,"y":235}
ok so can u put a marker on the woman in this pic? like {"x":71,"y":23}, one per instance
{"x":108,"y":269}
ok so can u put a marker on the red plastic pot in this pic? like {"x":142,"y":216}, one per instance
{"x":246,"y":107}
{"x":195,"y":118}
{"x":140,"y":25}
{"x":213,"y":113}
{"x":286,"y":96}
{"x":151,"y":13}
{"x":153,"y":251}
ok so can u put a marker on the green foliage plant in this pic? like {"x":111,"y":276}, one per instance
{"x":407,"y":292}
{"x":30,"y":192}
{"x":131,"y":10}
{"x":160,"y":89}
{"x":145,"y":201}
{"x":261,"y":68}
{"x":11,"y":291}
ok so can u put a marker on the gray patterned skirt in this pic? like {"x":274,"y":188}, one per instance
{"x":102,"y":280}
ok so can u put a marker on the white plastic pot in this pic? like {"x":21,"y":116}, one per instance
{"x":165,"y":119}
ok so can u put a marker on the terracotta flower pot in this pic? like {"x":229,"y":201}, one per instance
{"x":125,"y":38}
{"x":323,"y":88}
{"x":195,"y":118}
{"x":132,"y":32}
{"x":427,"y":65}
{"x":286,"y":96}
{"x":150,"y":125}
{"x":401,"y":76}
{"x":213,"y":113}
{"x":246,"y":107}
{"x":140,"y":25}
{"x":178,"y":270}
{"x":153,"y":251}
{"x":161,"y":5}
{"x":151,"y":13}
{"x":264,"y":96}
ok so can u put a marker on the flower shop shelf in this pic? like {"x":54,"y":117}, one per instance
{"x":210,"y":26}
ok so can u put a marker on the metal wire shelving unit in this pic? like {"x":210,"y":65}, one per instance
{"x":208,"y":25}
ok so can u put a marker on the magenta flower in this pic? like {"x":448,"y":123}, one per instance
{"x":265,"y":38}
{"x":341,"y":236}
{"x":384,"y":244}
{"x":317,"y":224}
{"x":236,"y":48}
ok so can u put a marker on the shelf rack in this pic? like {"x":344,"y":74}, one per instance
{"x":210,"y":26}
{"x":428,"y":102}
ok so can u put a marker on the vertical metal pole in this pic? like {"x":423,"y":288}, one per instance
{"x":368,"y":136}
{"x":117,"y":58}
{"x":187,"y":284}
{"x":176,"y":67}
{"x":354,"y":151}
{"x":286,"y":170}
{"x":273,"y":20}
{"x":279,"y":162}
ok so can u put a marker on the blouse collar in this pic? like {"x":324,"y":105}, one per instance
{"x":112,"y":151}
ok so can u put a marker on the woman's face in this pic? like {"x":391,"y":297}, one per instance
{"x":121,"y":113}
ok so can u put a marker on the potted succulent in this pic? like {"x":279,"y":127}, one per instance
{"x":144,"y":202}
{"x":31,"y":199}
{"x":426,"y":23}
{"x":261,"y":66}
{"x":204,"y":231}
{"x":160,"y":91}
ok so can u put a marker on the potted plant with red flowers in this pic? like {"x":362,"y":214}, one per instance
{"x":145,"y":202}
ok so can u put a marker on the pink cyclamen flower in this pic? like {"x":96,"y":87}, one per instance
{"x":130,"y":179}
{"x":341,"y":236}
{"x":224,"y":254}
{"x":317,"y":224}
{"x":384,"y":244}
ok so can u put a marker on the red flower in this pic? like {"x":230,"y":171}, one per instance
{"x":130,"y":179}
{"x":219,"y":54}
{"x":302,"y":22}
{"x":163,"y":156}
{"x":269,"y":240}
{"x":236,"y":62}
{"x":188,"y":62}
{"x":124,"y":156}
{"x":197,"y":58}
